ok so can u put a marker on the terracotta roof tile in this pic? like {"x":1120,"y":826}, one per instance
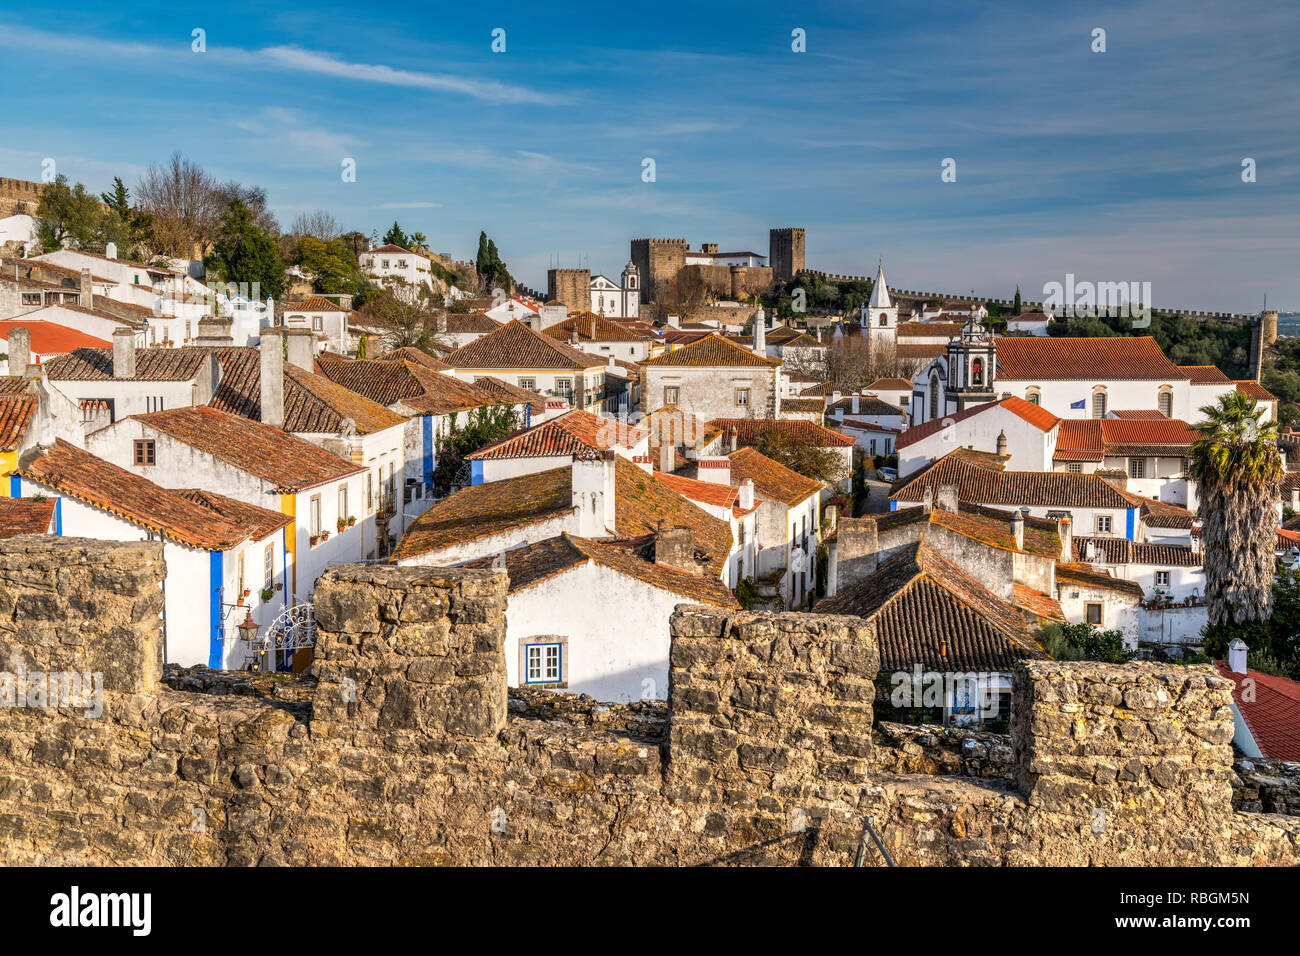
{"x":643,"y":502}
{"x":1205,"y":375}
{"x":1034,"y":358}
{"x":25,"y":516}
{"x":313,"y":304}
{"x":156,"y":364}
{"x":1123,"y":551}
{"x":772,"y":480}
{"x":711,"y":351}
{"x":749,"y":431}
{"x":16,"y":413}
{"x":592,"y":328}
{"x":1256,"y":391}
{"x":1035,"y":415}
{"x":890,"y":384}
{"x":981,"y":483}
{"x":1078,"y":572}
{"x":50,"y":338}
{"x":410,"y":354}
{"x":286,"y":461}
{"x":492,"y":508}
{"x":258,"y":522}
{"x":79,"y":474}
{"x":1272,"y":711}
{"x":516,"y":346}
{"x":574,"y":433}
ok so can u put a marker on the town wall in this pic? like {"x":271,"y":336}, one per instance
{"x":414,"y":752}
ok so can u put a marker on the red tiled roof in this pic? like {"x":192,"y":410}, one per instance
{"x":928,"y":611}
{"x":391,"y":249}
{"x":1205,"y":375}
{"x":154,"y":364}
{"x":1086,"y":575}
{"x":1037,"y":358}
{"x":1035,"y":415}
{"x":1256,"y":391}
{"x":705,"y":492}
{"x":712,"y":351}
{"x":258,"y":522}
{"x":1146,"y":413}
{"x":16,"y":413}
{"x":889,"y":384}
{"x":286,"y":461}
{"x":25,"y":516}
{"x":516,"y":346}
{"x":574,"y":433}
{"x":979,"y":482}
{"x":643,"y":502}
{"x":1272,"y":713}
{"x":1091,"y":439}
{"x":492,"y":508}
{"x":411,"y":354}
{"x":592,"y":328}
{"x":313,"y":304}
{"x":1123,"y":551}
{"x":1162,"y":514}
{"x":749,"y":431}
{"x":79,"y":474}
{"x":772,"y":479}
{"x":50,"y":338}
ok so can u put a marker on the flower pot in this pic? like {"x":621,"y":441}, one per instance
{"x":314,"y":539}
{"x":351,"y":521}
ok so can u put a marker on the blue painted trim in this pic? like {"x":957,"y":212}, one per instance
{"x":1131,"y":530}
{"x":528,"y":415}
{"x":58,"y":517}
{"x":893,"y":506}
{"x":15,"y":486}
{"x":215,"y":562}
{"x":476,"y":472}
{"x":559,"y":659}
{"x":426,"y":426}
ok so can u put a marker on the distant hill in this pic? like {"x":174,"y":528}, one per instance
{"x":1288,"y":323}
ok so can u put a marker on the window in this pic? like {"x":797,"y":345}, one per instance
{"x":884,"y":320}
{"x":543,"y":662}
{"x":564,"y":387}
{"x":670,"y":394}
{"x":1033,"y":396}
{"x":317,"y":322}
{"x":31,"y":298}
{"x":528,"y":384}
{"x":934,"y":396}
{"x":977,"y":372}
{"x":188,"y":332}
{"x":742,"y":397}
{"x":1099,"y":403}
{"x":144,"y":453}
{"x":1093,"y":613}
{"x":1075,"y":468}
{"x":343,"y":502}
{"x":1162,"y":579}
{"x":314,"y":520}
{"x":1166,"y":402}
{"x":1103,"y":524}
{"x":1137,"y":467}
{"x":268,"y":566}
{"x":370,"y":491}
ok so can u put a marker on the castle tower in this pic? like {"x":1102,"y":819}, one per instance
{"x":972,"y":358}
{"x":880,"y":316}
{"x":785,"y":252}
{"x":657,"y":261}
{"x":570,"y":288}
{"x":1261,"y":337}
{"x":631,"y":282}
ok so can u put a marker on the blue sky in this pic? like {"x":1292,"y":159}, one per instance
{"x":1123,"y":165}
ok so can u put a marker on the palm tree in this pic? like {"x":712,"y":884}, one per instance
{"x":1238,"y":472}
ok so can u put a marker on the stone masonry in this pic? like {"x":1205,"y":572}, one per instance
{"x":405,"y":747}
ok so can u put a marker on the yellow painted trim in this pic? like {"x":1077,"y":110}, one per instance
{"x":8,"y":465}
{"x":289,"y":506}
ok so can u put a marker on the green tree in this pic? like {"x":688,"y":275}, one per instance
{"x":1274,"y":642}
{"x":1238,"y":472}
{"x":244,"y":252}
{"x":482,"y":427}
{"x":129,"y":228}
{"x":1084,"y":642}
{"x":1017,"y":305}
{"x":69,"y":216}
{"x":801,"y":455}
{"x":419,"y":240}
{"x":403,"y":323}
{"x":492,"y":272}
{"x":395,"y":236}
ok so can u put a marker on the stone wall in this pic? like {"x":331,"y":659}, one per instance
{"x":411,"y":751}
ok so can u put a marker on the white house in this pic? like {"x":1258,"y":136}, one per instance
{"x":326,"y":318}
{"x":601,"y":337}
{"x":713,"y":377}
{"x":734,"y":504}
{"x":225,"y":558}
{"x":554,"y":444}
{"x":397,"y":266}
{"x":260,"y":465}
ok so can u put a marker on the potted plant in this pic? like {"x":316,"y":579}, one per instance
{"x":342,"y":523}
{"x":267,"y":592}
{"x":314,"y":539}
{"x":352,"y":519}
{"x":324,"y":535}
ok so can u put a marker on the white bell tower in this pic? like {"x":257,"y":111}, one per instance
{"x":631,"y":282}
{"x":880,"y":315}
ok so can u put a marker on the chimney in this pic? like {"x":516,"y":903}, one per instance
{"x":857,"y":551}
{"x":1002,"y":444}
{"x":760,"y":333}
{"x":747,"y":494}
{"x":302,"y":348}
{"x":272,"y":373}
{"x":87,"y":290}
{"x":1237,"y":651}
{"x":440,"y":323}
{"x":123,"y":353}
{"x":667,"y":457}
{"x":1065,"y":529}
{"x":675,"y":548}
{"x":855,"y":404}
{"x":927,"y":500}
{"x":592,"y":484}
{"x":110,"y":250}
{"x":714,"y":469}
{"x":20,"y":350}
{"x":573,"y":336}
{"x":674,"y":321}
{"x":946,"y":498}
{"x":734,"y":440}
{"x":214,"y":330}
{"x":1018,"y":528}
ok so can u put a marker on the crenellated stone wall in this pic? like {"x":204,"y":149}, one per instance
{"x":405,"y":746}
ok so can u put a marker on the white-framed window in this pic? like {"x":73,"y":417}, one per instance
{"x":314,"y":516}
{"x":1166,"y":401}
{"x":1162,"y":579}
{"x":543,"y":661}
{"x":1137,"y":467}
{"x":268,"y":566}
{"x":564,"y":387}
{"x":528,"y":384}
{"x":343,"y":502}
{"x":1074,"y":468}
{"x":1099,"y":403}
{"x":742,"y":397}
{"x":671,"y":394}
{"x":1103,"y":524}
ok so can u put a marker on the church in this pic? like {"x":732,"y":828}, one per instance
{"x":617,"y":301}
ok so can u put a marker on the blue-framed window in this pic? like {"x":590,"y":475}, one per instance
{"x":544,"y":663}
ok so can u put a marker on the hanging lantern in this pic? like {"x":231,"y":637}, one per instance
{"x":248,"y":629}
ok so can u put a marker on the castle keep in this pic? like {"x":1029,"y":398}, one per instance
{"x":405,"y":746}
